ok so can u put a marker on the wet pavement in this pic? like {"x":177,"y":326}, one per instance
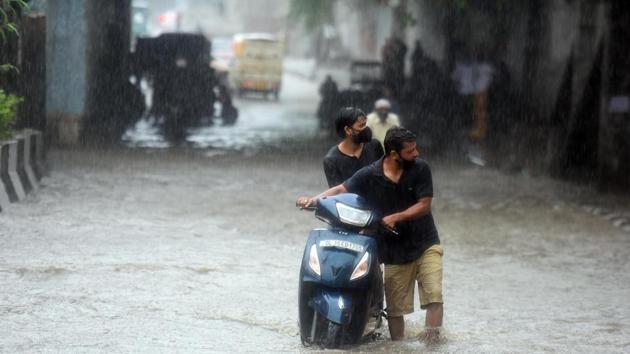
{"x":196,"y":248}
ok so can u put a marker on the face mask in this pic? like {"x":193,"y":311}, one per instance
{"x":363,"y":136}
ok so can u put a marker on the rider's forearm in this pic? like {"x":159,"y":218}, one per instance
{"x":333,"y":191}
{"x":416,"y":211}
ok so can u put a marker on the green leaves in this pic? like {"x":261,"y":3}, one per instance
{"x":10,"y":10}
{"x":11,"y":27}
{"x":314,"y":13}
{"x":8,"y":113}
{"x":5,"y":68}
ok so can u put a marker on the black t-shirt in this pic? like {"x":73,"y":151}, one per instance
{"x":338,"y":166}
{"x":415,"y":236}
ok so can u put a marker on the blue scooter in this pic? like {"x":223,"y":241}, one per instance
{"x":341,"y":286}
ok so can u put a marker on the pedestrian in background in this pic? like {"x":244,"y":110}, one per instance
{"x":381,"y":120}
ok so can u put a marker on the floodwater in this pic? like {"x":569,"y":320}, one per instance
{"x":150,"y":248}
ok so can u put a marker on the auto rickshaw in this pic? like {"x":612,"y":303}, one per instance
{"x":177,"y":66}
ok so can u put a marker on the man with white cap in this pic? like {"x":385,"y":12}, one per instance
{"x":381,"y":120}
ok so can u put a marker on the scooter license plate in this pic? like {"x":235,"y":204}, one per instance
{"x":341,"y":244}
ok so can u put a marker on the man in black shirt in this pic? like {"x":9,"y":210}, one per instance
{"x":400,"y":186}
{"x":356,"y":150}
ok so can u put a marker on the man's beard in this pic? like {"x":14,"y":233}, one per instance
{"x":407,"y":164}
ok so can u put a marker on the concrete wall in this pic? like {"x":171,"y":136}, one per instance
{"x":76,"y":32}
{"x":574,"y":28}
{"x":66,"y":68}
{"x":22,"y":165}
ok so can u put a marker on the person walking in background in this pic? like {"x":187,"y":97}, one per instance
{"x":381,"y":120}
{"x":393,"y":65}
{"x":473,"y":79}
{"x":329,"y":103}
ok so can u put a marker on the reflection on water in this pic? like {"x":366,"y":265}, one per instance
{"x":246,"y":134}
{"x":260,"y":123}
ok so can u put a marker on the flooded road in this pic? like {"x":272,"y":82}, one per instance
{"x":197,"y":249}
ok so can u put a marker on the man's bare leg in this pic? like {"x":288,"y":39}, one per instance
{"x":396,"y":327}
{"x":433,"y":321}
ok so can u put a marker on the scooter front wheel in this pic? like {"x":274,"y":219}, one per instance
{"x":331,"y":338}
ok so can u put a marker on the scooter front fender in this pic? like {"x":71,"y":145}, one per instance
{"x":334,"y":305}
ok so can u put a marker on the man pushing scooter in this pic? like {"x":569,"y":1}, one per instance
{"x":400,"y":185}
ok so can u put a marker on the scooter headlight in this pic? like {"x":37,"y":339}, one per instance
{"x":362,"y":268}
{"x":313,"y":260}
{"x":353,"y":216}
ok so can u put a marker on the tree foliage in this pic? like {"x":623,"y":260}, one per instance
{"x":468,"y":4}
{"x":10,"y":11}
{"x":8,"y":111}
{"x":314,"y":13}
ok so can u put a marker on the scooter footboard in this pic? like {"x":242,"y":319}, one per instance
{"x":335,"y":305}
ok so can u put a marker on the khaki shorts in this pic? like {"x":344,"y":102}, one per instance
{"x":400,"y":281}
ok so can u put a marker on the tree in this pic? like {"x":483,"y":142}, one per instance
{"x":317,"y":15}
{"x":10,"y":11}
{"x":8,"y":111}
{"x":314,"y":13}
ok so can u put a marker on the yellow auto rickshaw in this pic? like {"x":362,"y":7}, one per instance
{"x":257,"y":65}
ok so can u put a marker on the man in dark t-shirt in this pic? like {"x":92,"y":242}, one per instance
{"x":356,"y":150}
{"x":401,"y":187}
{"x":390,"y":198}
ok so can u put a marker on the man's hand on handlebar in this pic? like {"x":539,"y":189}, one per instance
{"x":390,"y":221}
{"x":306,"y":202}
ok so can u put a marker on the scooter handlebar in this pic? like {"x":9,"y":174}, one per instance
{"x":308,"y":208}
{"x":389,"y":230}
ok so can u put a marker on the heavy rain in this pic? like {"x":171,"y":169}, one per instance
{"x":153,"y":153}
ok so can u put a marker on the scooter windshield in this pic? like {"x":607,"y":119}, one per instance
{"x":345,"y":209}
{"x":353,"y":216}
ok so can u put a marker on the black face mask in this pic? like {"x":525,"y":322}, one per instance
{"x":363,"y":136}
